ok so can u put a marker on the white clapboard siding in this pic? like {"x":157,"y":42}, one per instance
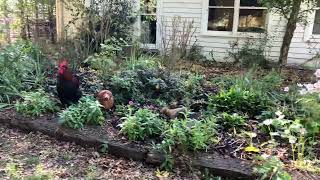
{"x":300,"y":49}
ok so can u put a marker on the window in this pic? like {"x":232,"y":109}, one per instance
{"x":148,"y":21}
{"x":235,"y":16}
{"x":316,"y":25}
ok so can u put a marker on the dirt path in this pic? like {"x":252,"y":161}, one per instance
{"x":23,"y":153}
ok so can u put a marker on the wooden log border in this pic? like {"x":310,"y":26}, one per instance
{"x":217,"y":165}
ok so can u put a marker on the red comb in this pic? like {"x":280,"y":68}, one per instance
{"x":62,"y":65}
{"x":63,"y":62}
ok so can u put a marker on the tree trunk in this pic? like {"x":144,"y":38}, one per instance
{"x":51,"y":18}
{"x":7,"y":22}
{"x":23,"y":30}
{"x":37,"y":33}
{"x":28,"y":27}
{"x":291,"y":27}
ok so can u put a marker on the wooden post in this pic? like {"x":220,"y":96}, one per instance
{"x":60,"y":20}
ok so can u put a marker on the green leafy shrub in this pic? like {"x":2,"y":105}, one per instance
{"x":271,"y":168}
{"x":189,"y":134}
{"x":232,"y":120}
{"x":141,"y":62}
{"x":246,"y":94}
{"x":98,"y":26}
{"x":195,"y":54}
{"x":36,"y":103}
{"x":144,"y":85}
{"x":264,"y":85}
{"x":250,"y":54}
{"x":193,"y":85}
{"x":87,"y":111}
{"x":142,"y":124}
{"x":237,"y":100}
{"x":103,"y":64}
{"x":22,"y":67}
{"x":310,"y":105}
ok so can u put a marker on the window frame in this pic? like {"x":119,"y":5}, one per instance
{"x":235,"y":26}
{"x":308,"y":31}
{"x":313,"y":22}
{"x":138,"y":23}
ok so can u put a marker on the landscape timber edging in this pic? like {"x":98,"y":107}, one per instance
{"x":217,"y":165}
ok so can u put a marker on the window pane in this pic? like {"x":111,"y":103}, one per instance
{"x":220,"y":19}
{"x":148,"y":29}
{"x":250,"y":3}
{"x":252,"y":20}
{"x":221,"y":2}
{"x":316,"y":26}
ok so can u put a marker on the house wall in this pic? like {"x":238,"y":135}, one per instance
{"x":303,"y":47}
{"x":65,"y":29}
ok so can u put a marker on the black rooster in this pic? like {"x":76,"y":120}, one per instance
{"x":67,"y":85}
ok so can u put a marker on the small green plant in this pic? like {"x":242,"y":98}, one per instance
{"x":13,"y":171}
{"x":193,"y":85}
{"x":103,"y":148}
{"x":271,"y":168}
{"x":141,"y":62}
{"x":250,"y":54}
{"x":251,"y":147}
{"x":189,"y":134}
{"x":307,"y":165}
{"x":87,"y":111}
{"x":141,"y":124}
{"x":40,"y":174}
{"x":251,"y":81}
{"x":184,"y":135}
{"x":195,"y":54}
{"x":276,"y":126}
{"x":36,"y":103}
{"x":92,"y":173}
{"x":168,"y":162}
{"x":238,"y":100}
{"x":293,"y":131}
{"x":103,"y":64}
{"x":310,"y":104}
{"x":232,"y":120}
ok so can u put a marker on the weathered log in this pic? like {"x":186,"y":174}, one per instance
{"x":225,"y":167}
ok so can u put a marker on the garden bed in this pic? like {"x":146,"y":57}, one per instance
{"x":97,"y":136}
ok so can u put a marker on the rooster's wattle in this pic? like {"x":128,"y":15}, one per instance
{"x":67,"y":85}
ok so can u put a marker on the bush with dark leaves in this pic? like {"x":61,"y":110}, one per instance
{"x":143,"y":85}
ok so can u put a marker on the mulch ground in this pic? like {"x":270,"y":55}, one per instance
{"x":290,"y":74}
{"x":66,"y":160}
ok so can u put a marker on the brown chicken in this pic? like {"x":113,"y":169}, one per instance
{"x":106,"y":99}
{"x":173,"y":113}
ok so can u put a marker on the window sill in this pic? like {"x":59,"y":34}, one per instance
{"x":233,"y":35}
{"x":148,"y":46}
{"x":315,"y":36}
{"x":311,"y":38}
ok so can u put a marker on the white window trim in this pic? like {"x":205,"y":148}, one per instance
{"x":137,"y":25}
{"x":234,"y":32}
{"x":308,"y":31}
